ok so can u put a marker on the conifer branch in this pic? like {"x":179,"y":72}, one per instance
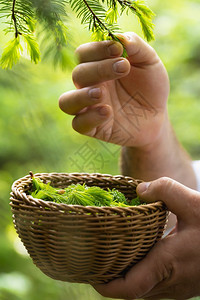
{"x":95,"y":18}
{"x":14,"y":19}
{"x":99,"y":15}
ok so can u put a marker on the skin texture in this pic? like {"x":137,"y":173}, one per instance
{"x":171,"y":270}
{"x":126,"y":104}
{"x":130,"y":106}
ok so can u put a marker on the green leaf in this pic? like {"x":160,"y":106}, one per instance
{"x":144,"y":14}
{"x":118,"y":196}
{"x":31,"y":24}
{"x":93,"y":14}
{"x":38,"y":184}
{"x":78,"y":194}
{"x":147,"y":27}
{"x":112,"y":15}
{"x":136,"y":201}
{"x":11,"y":54}
{"x":144,"y":9}
{"x":98,"y":35}
{"x":33,"y":48}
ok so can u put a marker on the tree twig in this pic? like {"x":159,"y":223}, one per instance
{"x":102,"y":25}
{"x":14,"y":19}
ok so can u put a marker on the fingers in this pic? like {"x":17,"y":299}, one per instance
{"x":73,"y":102}
{"x":91,"y":73}
{"x":137,"y":49}
{"x":88,"y":121}
{"x":88,"y":104}
{"x":139,"y":52}
{"x":97,"y":59}
{"x":99,"y":62}
{"x":98,"y":51}
{"x":180,"y":200}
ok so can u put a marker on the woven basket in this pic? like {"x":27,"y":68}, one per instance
{"x":85,"y":244}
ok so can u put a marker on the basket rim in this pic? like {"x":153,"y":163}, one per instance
{"x":31,"y":200}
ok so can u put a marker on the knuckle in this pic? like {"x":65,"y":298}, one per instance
{"x":163,"y":184}
{"x":164,"y":181}
{"x":104,"y":70}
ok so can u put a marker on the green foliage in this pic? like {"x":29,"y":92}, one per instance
{"x":33,"y":48}
{"x":11,"y":54}
{"x":23,"y":17}
{"x":26,"y":17}
{"x":78,"y":194}
{"x":144,"y":14}
{"x":94,"y":15}
{"x":136,"y":201}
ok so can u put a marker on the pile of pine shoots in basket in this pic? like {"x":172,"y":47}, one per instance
{"x":81,"y":194}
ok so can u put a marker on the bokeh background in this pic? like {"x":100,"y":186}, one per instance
{"x":35,"y":135}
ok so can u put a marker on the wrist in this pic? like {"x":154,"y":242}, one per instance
{"x":158,"y":141}
{"x":163,"y":157}
{"x":143,"y":161}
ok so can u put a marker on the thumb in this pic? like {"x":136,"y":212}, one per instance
{"x":179,"y":199}
{"x":139,"y":52}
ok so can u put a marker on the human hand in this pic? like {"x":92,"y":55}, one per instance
{"x":171,"y":270}
{"x":124,"y":106}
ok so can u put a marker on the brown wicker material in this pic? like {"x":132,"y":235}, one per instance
{"x":85,"y":244}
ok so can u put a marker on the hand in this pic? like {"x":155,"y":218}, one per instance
{"x":171,"y":270}
{"x":118,"y":100}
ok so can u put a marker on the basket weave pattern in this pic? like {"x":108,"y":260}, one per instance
{"x":85,"y":244}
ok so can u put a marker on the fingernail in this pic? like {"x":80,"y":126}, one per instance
{"x":114,"y":49}
{"x":95,"y":93}
{"x":120,"y":66}
{"x":142,"y":187}
{"x":103,"y":111}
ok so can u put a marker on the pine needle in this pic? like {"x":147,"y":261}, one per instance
{"x":77,"y":194}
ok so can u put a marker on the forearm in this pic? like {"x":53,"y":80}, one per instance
{"x":165,"y":157}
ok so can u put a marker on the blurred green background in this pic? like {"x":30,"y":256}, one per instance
{"x":37,"y":136}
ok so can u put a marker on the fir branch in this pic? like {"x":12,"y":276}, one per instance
{"x":95,"y":18}
{"x":99,"y":15}
{"x":94,"y":14}
{"x":14,"y":19}
{"x":11,"y":54}
{"x":144,"y":14}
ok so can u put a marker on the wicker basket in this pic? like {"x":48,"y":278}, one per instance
{"x":85,"y":244}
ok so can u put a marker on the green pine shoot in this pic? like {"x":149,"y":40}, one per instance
{"x":100,"y":196}
{"x":33,"y":48}
{"x":11,"y":54}
{"x":135,"y":201}
{"x":118,"y":197}
{"x":77,"y":194}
